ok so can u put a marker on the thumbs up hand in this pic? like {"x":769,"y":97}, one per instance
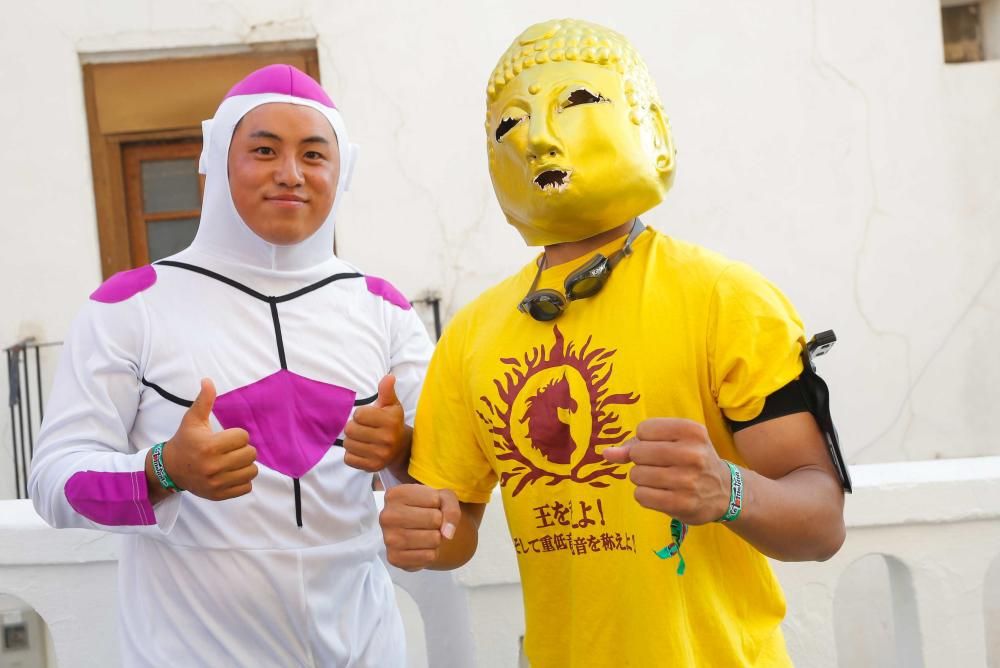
{"x":212,"y":465}
{"x":377,"y":436}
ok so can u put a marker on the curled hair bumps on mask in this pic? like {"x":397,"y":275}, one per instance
{"x":575,"y":40}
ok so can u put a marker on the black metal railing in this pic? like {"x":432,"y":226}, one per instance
{"x":26,"y":403}
{"x":433,"y":302}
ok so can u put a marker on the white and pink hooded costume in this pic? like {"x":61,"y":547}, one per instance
{"x":294,"y":338}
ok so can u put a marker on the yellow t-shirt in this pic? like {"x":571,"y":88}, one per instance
{"x":677,"y":331}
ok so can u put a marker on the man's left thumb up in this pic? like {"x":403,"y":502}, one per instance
{"x":387,"y":392}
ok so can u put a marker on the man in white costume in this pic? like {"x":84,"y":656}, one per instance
{"x":250,"y":529}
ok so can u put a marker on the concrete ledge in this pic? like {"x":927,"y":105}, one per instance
{"x":25,"y":539}
{"x":928,"y":492}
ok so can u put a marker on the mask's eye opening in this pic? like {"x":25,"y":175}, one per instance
{"x":583,"y":96}
{"x":506,"y":125}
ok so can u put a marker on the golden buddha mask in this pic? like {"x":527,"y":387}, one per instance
{"x":577,"y":140}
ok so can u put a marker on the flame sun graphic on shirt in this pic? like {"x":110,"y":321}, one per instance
{"x":553,"y":415}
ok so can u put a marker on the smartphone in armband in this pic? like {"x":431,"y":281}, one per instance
{"x":817,"y":396}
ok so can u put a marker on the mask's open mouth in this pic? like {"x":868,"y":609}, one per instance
{"x":552,"y":180}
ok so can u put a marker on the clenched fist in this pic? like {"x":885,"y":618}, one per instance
{"x":212,"y":465}
{"x":415,"y":521}
{"x":376,"y":436}
{"x":677,"y":470}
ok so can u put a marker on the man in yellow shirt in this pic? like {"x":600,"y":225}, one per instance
{"x":651,"y":440}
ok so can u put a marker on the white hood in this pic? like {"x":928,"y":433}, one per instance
{"x":222,"y":233}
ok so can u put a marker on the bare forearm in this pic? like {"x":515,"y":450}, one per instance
{"x":460,"y":548}
{"x":399,"y":469}
{"x":798,"y":517}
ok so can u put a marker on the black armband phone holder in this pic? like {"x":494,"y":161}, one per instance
{"x":817,"y":397}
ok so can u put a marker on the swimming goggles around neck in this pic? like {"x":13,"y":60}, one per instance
{"x":547,"y":304}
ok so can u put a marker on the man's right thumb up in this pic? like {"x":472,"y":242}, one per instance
{"x":201,"y":409}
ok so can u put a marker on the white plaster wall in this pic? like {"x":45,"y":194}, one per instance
{"x":825,"y":142}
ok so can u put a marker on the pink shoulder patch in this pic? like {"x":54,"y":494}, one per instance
{"x":125,"y":285}
{"x":385,"y":290}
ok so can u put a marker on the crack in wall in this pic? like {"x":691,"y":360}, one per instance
{"x":228,"y":27}
{"x":452,"y":251}
{"x":973,"y":303}
{"x":905,"y":411}
{"x":828,"y":70}
{"x":422,"y":189}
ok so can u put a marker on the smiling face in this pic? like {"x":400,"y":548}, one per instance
{"x":284,"y":164}
{"x":575,"y":147}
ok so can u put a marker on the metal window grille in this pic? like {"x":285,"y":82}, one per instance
{"x":433,"y":302}
{"x":25,"y":400}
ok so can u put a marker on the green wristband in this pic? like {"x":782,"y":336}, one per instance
{"x":735,"y":493}
{"x":161,"y":471}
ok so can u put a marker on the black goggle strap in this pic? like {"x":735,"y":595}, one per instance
{"x":626,"y":250}
{"x":524,"y":305}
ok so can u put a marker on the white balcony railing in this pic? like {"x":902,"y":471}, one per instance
{"x":934,"y":528}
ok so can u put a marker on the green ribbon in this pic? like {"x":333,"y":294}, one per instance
{"x":678,"y":530}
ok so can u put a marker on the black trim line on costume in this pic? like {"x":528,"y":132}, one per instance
{"x":315,"y":286}
{"x":253,"y":293}
{"x":277,"y":335}
{"x":166,"y":395}
{"x":298,"y":502}
{"x":339,"y":442}
{"x":211,"y":274}
{"x":366,"y":400}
